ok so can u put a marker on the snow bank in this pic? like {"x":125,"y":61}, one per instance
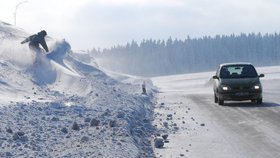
{"x":57,"y":105}
{"x":11,"y":50}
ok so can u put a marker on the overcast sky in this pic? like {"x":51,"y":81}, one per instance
{"x":88,"y":24}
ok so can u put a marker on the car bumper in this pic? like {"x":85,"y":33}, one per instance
{"x":239,"y":96}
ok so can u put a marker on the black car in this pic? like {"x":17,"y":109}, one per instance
{"x":237,"y":82}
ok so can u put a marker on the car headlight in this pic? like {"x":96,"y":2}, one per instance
{"x":225,"y":88}
{"x":257,"y":87}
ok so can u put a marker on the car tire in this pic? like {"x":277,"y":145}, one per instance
{"x":259,"y":101}
{"x":215,"y":98}
{"x":220,"y":101}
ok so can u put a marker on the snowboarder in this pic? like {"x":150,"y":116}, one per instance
{"x":37,"y":39}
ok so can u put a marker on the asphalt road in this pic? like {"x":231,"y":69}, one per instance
{"x":237,"y":129}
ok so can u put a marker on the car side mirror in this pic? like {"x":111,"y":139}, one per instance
{"x":215,"y":77}
{"x":261,"y":75}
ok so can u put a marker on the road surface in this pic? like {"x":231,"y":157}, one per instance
{"x":198,"y":127}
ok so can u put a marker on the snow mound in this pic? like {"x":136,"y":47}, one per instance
{"x":47,"y":68}
{"x":62,"y":105}
{"x":10,"y":31}
{"x":11,"y":50}
{"x":60,"y":51}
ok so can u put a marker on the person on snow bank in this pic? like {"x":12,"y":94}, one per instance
{"x":37,"y":39}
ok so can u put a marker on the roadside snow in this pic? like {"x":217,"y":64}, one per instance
{"x":55,"y":105}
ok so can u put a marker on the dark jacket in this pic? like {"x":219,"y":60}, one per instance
{"x":37,"y":39}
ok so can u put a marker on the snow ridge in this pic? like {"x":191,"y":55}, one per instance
{"x":55,"y":105}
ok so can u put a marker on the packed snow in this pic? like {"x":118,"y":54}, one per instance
{"x":61,"y":104}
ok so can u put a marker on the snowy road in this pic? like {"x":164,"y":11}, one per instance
{"x":200,"y":128}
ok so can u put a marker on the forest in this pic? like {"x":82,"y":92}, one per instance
{"x":176,"y":56}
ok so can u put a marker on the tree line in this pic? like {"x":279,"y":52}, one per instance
{"x":174,"y":56}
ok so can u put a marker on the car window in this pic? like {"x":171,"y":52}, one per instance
{"x":238,"y":71}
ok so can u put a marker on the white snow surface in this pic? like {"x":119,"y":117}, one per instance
{"x":44,"y":95}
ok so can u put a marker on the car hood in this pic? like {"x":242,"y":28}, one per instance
{"x":241,"y":82}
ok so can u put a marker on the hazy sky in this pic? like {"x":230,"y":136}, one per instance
{"x":104,"y":23}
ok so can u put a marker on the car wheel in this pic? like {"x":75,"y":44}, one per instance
{"x":220,"y":101}
{"x":259,"y":101}
{"x":215,"y":98}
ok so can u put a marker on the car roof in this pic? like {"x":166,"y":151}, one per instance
{"x":232,"y":64}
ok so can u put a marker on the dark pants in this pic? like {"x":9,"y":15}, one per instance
{"x":35,"y":47}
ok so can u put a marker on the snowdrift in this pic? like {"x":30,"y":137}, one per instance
{"x":61,"y":104}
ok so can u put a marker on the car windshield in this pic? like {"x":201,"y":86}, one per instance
{"x":238,"y":71}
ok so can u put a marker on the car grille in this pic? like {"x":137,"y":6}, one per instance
{"x":241,"y":88}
